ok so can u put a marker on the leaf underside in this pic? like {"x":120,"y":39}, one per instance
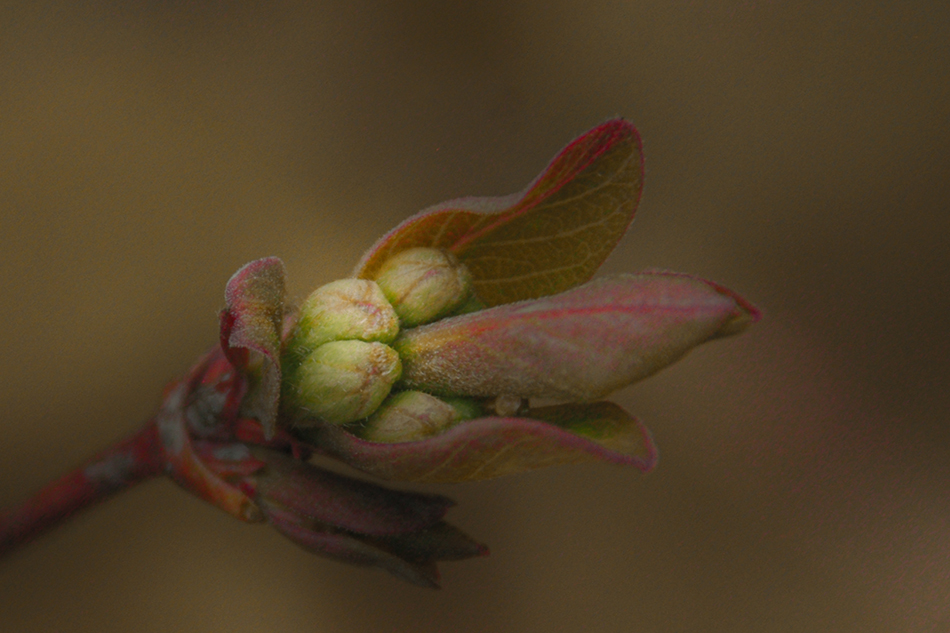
{"x":552,"y":236}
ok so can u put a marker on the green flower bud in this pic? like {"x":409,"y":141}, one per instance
{"x":424,"y":284}
{"x":344,"y":310}
{"x":345,"y":381}
{"x":414,"y":415}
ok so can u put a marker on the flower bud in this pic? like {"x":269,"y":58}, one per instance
{"x":466,"y":408}
{"x":424,"y":284}
{"x":414,"y":415}
{"x":345,"y":381}
{"x":345,"y":309}
{"x":507,"y":405}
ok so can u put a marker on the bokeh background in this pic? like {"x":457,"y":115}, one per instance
{"x":797,"y":152}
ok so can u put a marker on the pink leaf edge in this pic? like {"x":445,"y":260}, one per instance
{"x":444,"y":225}
{"x":482,"y":448}
{"x":253,"y":321}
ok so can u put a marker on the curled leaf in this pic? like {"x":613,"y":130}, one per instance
{"x":349,"y":548}
{"x":492,"y":447}
{"x":356,"y":521}
{"x":411,"y":556}
{"x":343,"y":502}
{"x":250,"y":332}
{"x":579,"y":345}
{"x":441,"y":541}
{"x":548,"y":238}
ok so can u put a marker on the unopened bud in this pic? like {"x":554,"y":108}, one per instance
{"x":424,"y":284}
{"x":343,"y":310}
{"x":414,"y":415}
{"x":345,"y":381}
{"x":507,"y":405}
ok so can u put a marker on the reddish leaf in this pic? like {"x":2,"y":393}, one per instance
{"x":491,"y":447}
{"x":351,"y":548}
{"x":551,"y":237}
{"x":410,"y":556}
{"x":442,"y":541}
{"x":348,"y":503}
{"x":579,"y":345}
{"x":252,"y":321}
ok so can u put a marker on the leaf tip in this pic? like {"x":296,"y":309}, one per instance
{"x":743,"y":316}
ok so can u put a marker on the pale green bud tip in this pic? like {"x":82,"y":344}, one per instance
{"x":414,"y":415}
{"x":345,"y":381}
{"x":424,"y":284}
{"x":346,"y":309}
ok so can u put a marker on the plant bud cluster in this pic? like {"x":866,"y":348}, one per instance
{"x":339,"y":366}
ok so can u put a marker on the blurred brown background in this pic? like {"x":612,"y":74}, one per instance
{"x":796,"y":152}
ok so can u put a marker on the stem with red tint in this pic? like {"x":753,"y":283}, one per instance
{"x":128,"y":462}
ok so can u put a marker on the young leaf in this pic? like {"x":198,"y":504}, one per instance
{"x":492,"y":447}
{"x":351,"y":548}
{"x":548,"y":238}
{"x":579,"y":345}
{"x":252,"y":322}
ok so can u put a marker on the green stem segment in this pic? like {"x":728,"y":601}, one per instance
{"x":128,"y":462}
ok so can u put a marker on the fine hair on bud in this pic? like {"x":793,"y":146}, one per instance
{"x":424,"y":284}
{"x":345,"y":381}
{"x":415,"y":415}
{"x":348,"y":309}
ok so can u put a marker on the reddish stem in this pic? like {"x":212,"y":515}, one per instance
{"x":128,"y":462}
